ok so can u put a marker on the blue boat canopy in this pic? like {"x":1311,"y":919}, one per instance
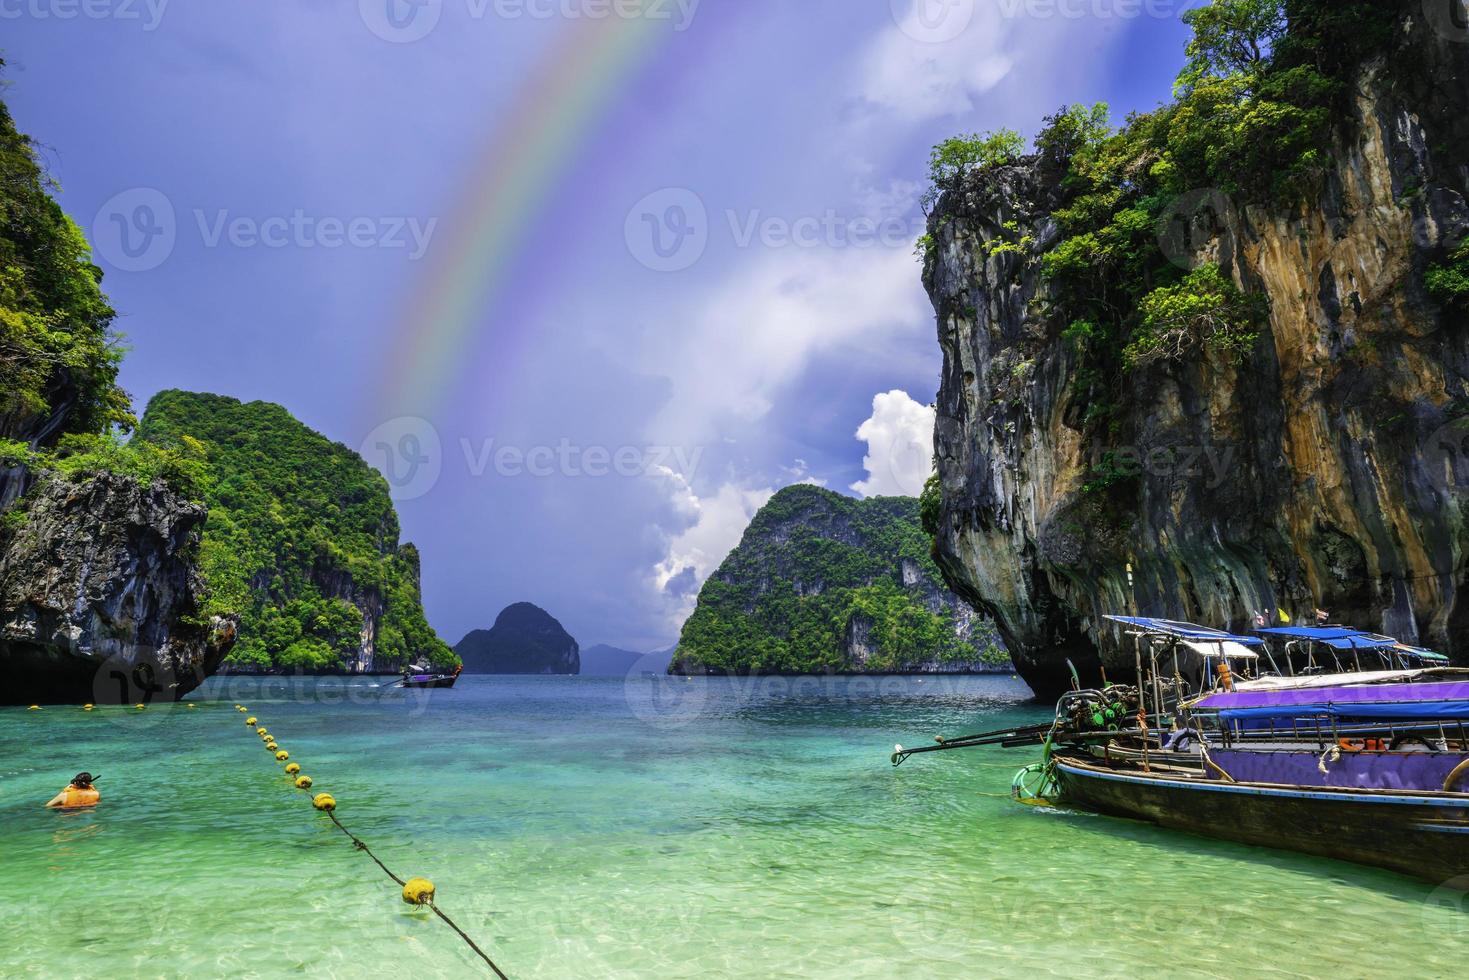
{"x":1343,"y":638}
{"x":1185,"y":631}
{"x":1337,"y":637}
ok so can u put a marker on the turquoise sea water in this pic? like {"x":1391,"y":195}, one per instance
{"x":595,"y":827}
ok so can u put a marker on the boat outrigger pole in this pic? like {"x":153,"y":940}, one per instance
{"x":1005,"y":737}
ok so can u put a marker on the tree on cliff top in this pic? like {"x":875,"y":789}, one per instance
{"x":1231,"y":37}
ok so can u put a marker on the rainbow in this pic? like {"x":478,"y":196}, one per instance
{"x":512,"y":181}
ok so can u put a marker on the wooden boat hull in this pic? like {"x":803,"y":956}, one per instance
{"x":1425,"y":835}
{"x":446,"y":681}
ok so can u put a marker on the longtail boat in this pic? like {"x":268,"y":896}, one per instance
{"x":1369,"y":766}
{"x":425,"y":678}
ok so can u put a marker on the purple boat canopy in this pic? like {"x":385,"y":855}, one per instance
{"x":1430,"y":701}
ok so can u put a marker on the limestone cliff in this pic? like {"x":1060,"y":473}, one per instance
{"x":1323,"y":468}
{"x":100,"y":595}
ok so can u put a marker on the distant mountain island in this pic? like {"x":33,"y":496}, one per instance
{"x":524,"y":640}
{"x":607,"y":661}
{"x":824,"y":583}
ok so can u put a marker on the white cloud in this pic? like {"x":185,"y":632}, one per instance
{"x":921,"y":79}
{"x":718,"y":522}
{"x":899,"y":437}
{"x":764,"y":324}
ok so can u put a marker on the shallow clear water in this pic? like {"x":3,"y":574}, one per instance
{"x":591,"y":827}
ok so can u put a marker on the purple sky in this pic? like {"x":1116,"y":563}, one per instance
{"x":746,"y":359}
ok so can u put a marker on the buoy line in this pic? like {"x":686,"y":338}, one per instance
{"x":416,"y":891}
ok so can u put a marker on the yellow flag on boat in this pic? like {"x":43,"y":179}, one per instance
{"x":1284,"y":616}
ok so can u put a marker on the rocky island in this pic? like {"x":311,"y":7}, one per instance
{"x":301,"y":541}
{"x":823,"y":583}
{"x":524,"y":640}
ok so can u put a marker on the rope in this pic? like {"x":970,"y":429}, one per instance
{"x":357,"y":841}
{"x":330,"y":811}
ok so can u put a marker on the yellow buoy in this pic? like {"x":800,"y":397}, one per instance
{"x":88,"y":707}
{"x":263,"y":731}
{"x":324,"y":801}
{"x":239,"y":707}
{"x":418,"y":891}
{"x":271,"y":746}
{"x":250,"y":721}
{"x":282,"y":755}
{"x":140,"y":707}
{"x":34,"y":707}
{"x":293,"y":768}
{"x":191,"y":706}
{"x":303,"y":782}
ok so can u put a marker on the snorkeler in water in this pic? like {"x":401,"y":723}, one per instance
{"x":80,"y":792}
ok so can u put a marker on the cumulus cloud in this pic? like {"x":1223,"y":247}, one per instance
{"x":762,"y":326}
{"x":718,"y":521}
{"x":937,"y":62}
{"x":899,"y":437}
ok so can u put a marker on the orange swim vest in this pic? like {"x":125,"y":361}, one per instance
{"x":73,"y":797}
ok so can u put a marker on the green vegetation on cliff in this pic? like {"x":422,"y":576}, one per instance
{"x":1255,"y":112}
{"x":301,"y":540}
{"x":817,"y":585}
{"x":61,"y":410}
{"x":57,"y":350}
